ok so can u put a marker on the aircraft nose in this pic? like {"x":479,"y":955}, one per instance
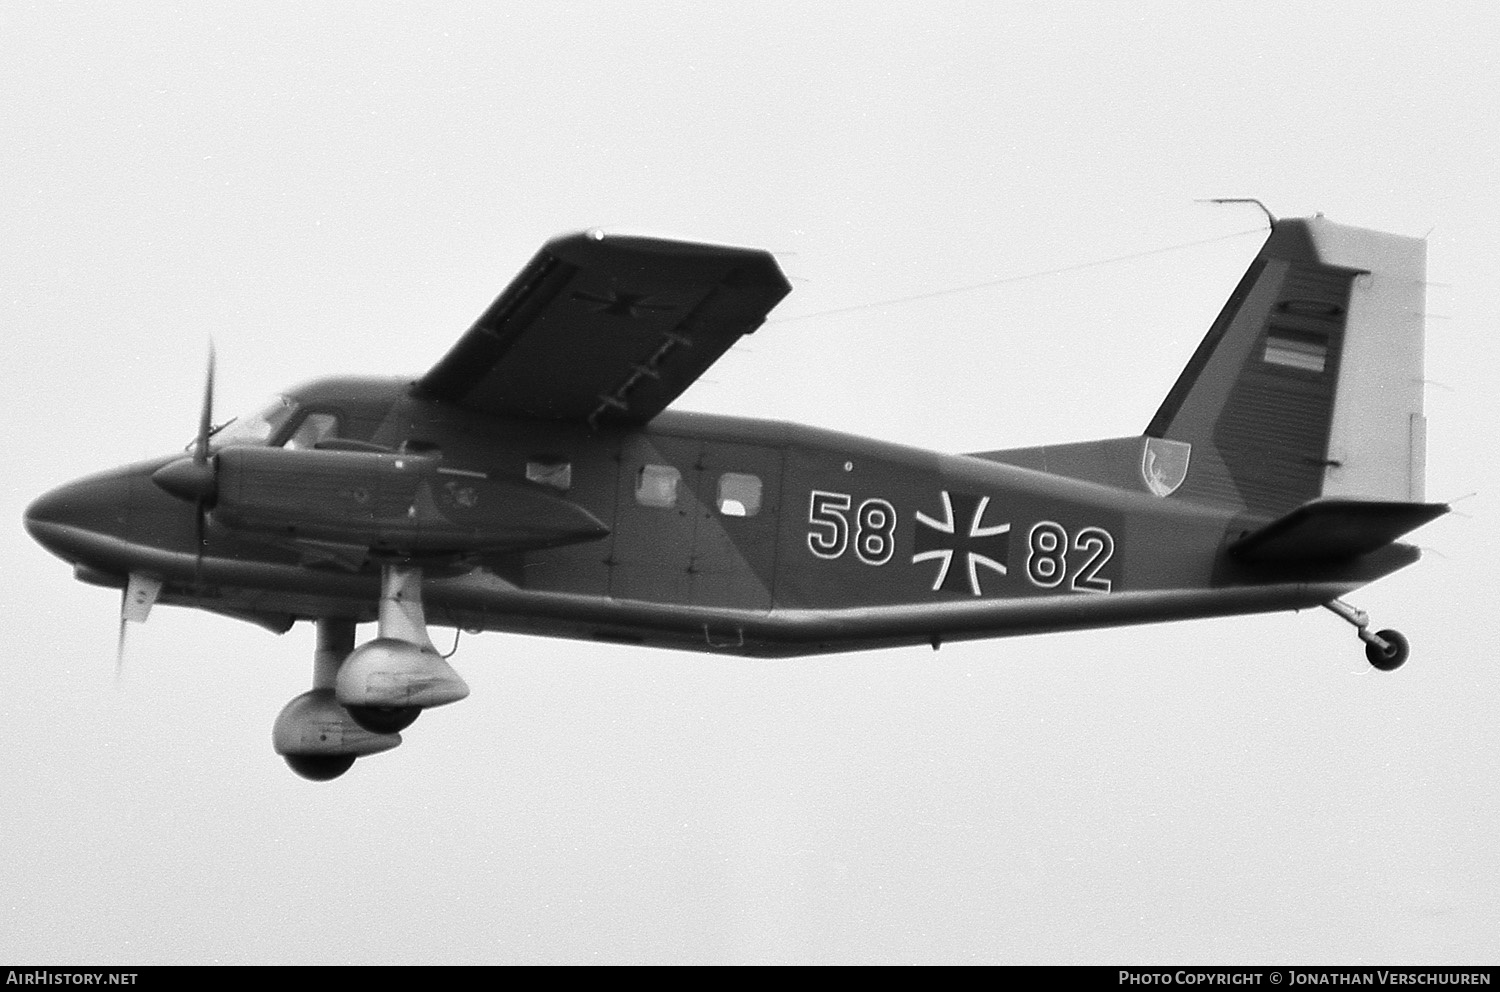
{"x":65,"y":520}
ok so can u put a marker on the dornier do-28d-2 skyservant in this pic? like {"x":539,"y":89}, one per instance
{"x":534,"y":480}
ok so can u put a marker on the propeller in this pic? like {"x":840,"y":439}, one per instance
{"x":194,"y":479}
{"x":191,"y":479}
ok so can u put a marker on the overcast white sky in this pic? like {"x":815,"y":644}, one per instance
{"x":332,"y":188}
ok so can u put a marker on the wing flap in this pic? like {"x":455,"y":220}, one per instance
{"x":1332,"y":529}
{"x":607,"y":328}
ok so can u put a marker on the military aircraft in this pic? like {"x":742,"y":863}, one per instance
{"x":535,"y":480}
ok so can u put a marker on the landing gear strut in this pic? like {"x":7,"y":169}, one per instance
{"x":1386,"y":650}
{"x":362,"y":698}
{"x":388,"y":681}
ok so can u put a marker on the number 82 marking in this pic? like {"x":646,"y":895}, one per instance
{"x":1047,"y":557}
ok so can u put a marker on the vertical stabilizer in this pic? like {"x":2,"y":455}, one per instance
{"x":1309,"y":383}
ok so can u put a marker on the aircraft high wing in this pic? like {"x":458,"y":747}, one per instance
{"x":536,"y":481}
{"x":606,"y":330}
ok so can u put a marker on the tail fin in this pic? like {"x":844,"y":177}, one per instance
{"x":1309,"y":383}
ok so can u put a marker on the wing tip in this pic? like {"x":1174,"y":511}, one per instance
{"x":639,"y":253}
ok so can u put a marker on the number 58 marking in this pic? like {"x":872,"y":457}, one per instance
{"x":828,"y":523}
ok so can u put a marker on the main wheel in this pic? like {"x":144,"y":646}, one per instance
{"x":320,"y":767}
{"x":1393,"y":658}
{"x":384,"y":719}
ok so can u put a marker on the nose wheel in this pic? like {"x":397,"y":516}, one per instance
{"x":1386,"y":650}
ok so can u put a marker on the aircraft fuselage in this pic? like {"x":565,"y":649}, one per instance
{"x":718,"y":534}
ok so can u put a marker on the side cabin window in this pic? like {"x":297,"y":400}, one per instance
{"x":554,"y":472}
{"x":315,"y":427}
{"x":739,"y":494}
{"x":656,"y":485}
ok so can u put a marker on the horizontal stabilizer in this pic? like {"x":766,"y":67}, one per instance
{"x":1332,"y":529}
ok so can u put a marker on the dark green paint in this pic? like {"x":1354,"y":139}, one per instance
{"x":849,"y":546}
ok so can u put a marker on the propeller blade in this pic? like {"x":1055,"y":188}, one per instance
{"x":120,"y":650}
{"x":200,"y":458}
{"x":136,"y":600}
{"x":206,"y":417}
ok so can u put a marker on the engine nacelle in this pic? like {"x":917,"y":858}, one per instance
{"x":396,"y":503}
{"x":314,"y":724}
{"x":391,"y":673}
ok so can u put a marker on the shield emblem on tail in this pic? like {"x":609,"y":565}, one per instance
{"x":1164,"y":464}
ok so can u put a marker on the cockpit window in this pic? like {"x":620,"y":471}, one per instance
{"x":315,"y":427}
{"x":258,"y":428}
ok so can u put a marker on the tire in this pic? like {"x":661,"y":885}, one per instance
{"x":1389,"y":661}
{"x":384,"y":719}
{"x":320,"y":767}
